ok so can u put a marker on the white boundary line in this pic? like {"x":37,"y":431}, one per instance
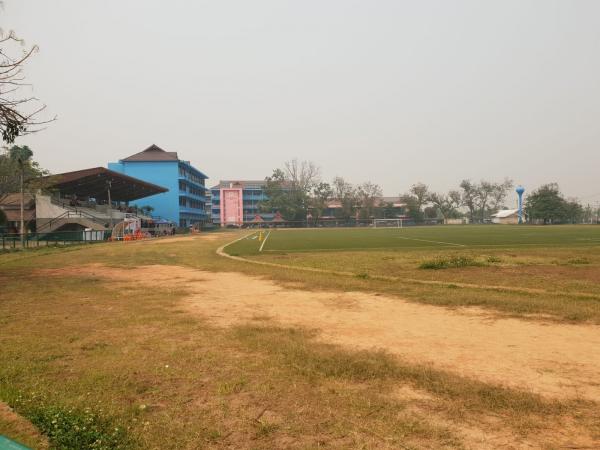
{"x":264,"y":242}
{"x":425,"y":240}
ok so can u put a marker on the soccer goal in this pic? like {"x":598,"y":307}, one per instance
{"x":387,"y":223}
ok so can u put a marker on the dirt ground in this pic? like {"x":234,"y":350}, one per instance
{"x":554,"y":360}
{"x":173,"y":239}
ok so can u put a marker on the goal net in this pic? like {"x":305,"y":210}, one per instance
{"x":387,"y":223}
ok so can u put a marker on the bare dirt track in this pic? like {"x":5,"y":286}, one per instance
{"x":185,"y":238}
{"x":554,"y":360}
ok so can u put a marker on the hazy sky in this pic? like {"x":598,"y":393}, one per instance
{"x":390,"y":91}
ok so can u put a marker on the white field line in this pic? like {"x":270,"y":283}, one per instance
{"x":221,"y":249}
{"x":264,"y":242}
{"x":434,"y":242}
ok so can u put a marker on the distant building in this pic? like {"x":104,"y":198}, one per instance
{"x":236,"y":203}
{"x":185,"y":201}
{"x":10,"y":204}
{"x":390,"y":207}
{"x":457,"y":221}
{"x":506,"y":217}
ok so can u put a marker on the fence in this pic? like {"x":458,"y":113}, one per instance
{"x":34,"y":240}
{"x":324,"y":223}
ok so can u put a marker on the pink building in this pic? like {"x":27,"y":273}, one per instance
{"x":232,"y":205}
{"x":235,"y":203}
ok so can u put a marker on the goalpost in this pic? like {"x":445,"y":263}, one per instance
{"x":387,"y":223}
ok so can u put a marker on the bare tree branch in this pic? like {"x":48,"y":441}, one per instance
{"x":18,"y":113}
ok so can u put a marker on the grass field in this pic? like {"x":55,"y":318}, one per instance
{"x":100,"y":343}
{"x":464,"y":237}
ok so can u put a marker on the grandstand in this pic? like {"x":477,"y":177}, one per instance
{"x":94,"y":199}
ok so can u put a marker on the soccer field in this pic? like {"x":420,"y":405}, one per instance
{"x":432,"y":237}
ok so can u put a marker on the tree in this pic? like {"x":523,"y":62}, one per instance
{"x":486,"y":190}
{"x":484,"y":198}
{"x":369,"y":194}
{"x":288,"y":189}
{"x":302,"y":176}
{"x":10,"y":170}
{"x":470,"y":196}
{"x":18,"y":111}
{"x":420,"y":191}
{"x":588,"y":214}
{"x":412,"y":207}
{"x":498,"y":194}
{"x":446,"y":204}
{"x":322,"y":193}
{"x":574,"y":212}
{"x":547,"y":204}
{"x":346,"y":194}
{"x":416,"y":197}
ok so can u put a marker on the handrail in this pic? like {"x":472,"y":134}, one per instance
{"x":68,"y":214}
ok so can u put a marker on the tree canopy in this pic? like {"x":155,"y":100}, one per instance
{"x":547,"y":205}
{"x":288,"y":190}
{"x":12,"y":160}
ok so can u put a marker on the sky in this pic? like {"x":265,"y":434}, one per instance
{"x":395,"y":92}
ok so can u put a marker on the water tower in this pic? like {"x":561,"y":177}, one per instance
{"x":520,"y":190}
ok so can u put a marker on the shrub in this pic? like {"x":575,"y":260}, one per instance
{"x":450,"y":263}
{"x":577,"y":261}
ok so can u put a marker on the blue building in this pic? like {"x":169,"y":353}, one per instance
{"x":185,"y":202}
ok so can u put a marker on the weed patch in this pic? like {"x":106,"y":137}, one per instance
{"x":450,"y":262}
{"x":578,"y":261}
{"x":71,"y":428}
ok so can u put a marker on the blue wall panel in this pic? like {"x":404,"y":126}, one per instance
{"x":162,"y":173}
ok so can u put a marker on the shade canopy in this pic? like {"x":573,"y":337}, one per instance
{"x":96,"y":182}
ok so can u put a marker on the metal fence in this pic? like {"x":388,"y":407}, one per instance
{"x":33,"y":240}
{"x":335,"y":223}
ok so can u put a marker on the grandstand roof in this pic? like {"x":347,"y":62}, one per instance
{"x":95,"y":182}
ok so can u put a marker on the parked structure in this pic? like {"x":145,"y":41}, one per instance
{"x":506,"y":217}
{"x":236,"y":203}
{"x":185,"y":201}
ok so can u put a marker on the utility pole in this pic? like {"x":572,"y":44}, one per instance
{"x":20,"y":160}
{"x":110,"y":215}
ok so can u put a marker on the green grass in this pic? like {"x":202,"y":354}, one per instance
{"x":476,"y":236}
